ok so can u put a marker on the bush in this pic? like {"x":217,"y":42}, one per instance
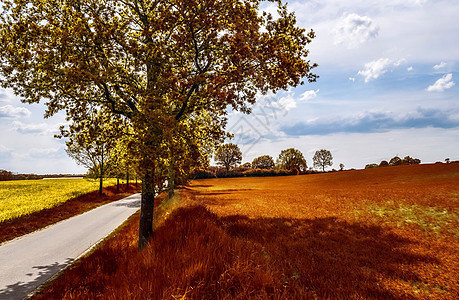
{"x":395,"y":161}
{"x":203,"y":174}
{"x":384,"y":163}
{"x":371,"y":166}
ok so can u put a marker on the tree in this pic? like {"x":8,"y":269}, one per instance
{"x":6,"y":175}
{"x":156,"y":63}
{"x":292,"y":159}
{"x":263,"y":162}
{"x":322,"y":158}
{"x":395,"y":161}
{"x":246,"y":165}
{"x":92,"y":140}
{"x":408,"y":160}
{"x":228,"y":155}
{"x":341,"y":167}
{"x":384,"y":163}
{"x":371,"y":166}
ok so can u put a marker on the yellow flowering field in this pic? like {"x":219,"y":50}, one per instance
{"x":22,"y":197}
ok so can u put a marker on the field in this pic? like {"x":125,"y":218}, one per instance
{"x":385,"y":233}
{"x":19,"y":198}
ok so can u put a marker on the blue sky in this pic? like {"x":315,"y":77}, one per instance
{"x":388,"y":86}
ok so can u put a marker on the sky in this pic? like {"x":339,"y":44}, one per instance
{"x":389,"y":85}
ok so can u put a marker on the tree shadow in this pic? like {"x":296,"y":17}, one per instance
{"x":129,"y":204}
{"x":21,"y":290}
{"x":333,"y":258}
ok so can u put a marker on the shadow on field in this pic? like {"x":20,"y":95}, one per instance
{"x":331,"y":257}
{"x":21,"y":289}
{"x":196,"y":254}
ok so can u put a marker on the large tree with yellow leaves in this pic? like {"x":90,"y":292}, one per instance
{"x":159,"y":64}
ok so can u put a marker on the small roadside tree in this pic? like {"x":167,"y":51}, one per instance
{"x":263,"y":162}
{"x":228,"y":155}
{"x":92,"y":140}
{"x":292,"y":159}
{"x":322,"y":158}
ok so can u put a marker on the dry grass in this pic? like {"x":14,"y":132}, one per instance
{"x":16,"y":227}
{"x":357,"y":234}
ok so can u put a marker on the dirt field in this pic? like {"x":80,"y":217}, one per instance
{"x":386,"y":233}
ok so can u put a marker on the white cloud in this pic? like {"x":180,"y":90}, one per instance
{"x":352,"y":79}
{"x":286,"y":103}
{"x":439,"y":66}
{"x":374,"y":69}
{"x":399,"y":62}
{"x":442,"y":84}
{"x":409,"y":69}
{"x":40,"y":129}
{"x":308,"y":95}
{"x":353,"y":30}
{"x":9,"y":111}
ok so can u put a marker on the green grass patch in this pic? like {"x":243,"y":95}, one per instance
{"x":434,"y":219}
{"x":167,"y":206}
{"x":19,"y":198}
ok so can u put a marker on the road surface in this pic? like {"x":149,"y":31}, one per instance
{"x":29,"y":261}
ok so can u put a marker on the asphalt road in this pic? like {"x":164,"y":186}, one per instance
{"x":31,"y":260}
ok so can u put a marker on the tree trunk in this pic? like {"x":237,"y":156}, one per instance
{"x":171,"y":181}
{"x":117,"y":184}
{"x":101,"y":178}
{"x":146,"y":209}
{"x":127,"y":179}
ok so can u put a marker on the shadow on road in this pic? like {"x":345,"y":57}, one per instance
{"x":129,"y":204}
{"x":20,"y":290}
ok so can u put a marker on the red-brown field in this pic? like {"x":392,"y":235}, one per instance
{"x":387,"y":233}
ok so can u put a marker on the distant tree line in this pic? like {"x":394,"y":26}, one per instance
{"x":395,"y":161}
{"x":7,"y":175}
{"x":291,"y":161}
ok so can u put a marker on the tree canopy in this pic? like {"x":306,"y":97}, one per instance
{"x":263,"y":162}
{"x":228,"y":155}
{"x":164,"y":67}
{"x":322,"y":158}
{"x":292,"y":159}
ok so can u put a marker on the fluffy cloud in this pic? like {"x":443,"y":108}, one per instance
{"x":442,"y":84}
{"x":375,"y":69}
{"x":9,"y":111}
{"x":353,"y":30}
{"x":308,"y":95}
{"x":285,"y":103}
{"x":439,"y":66}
